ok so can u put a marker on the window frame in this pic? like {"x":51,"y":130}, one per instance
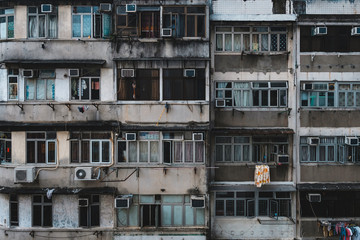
{"x":7,"y":16}
{"x":173,"y":149}
{"x":38,"y":14}
{"x":251,"y":33}
{"x":43,"y":204}
{"x":79,"y":80}
{"x":228,"y":92}
{"x":14,"y":203}
{"x":5,"y":139}
{"x":36,"y":141}
{"x":89,"y":210}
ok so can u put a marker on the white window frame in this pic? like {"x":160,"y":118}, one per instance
{"x":6,"y":15}
{"x":35,"y":91}
{"x":17,"y":87}
{"x":101,"y":141}
{"x":47,"y":141}
{"x":46,"y":26}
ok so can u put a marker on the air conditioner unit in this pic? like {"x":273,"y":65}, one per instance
{"x":28,"y":73}
{"x":318,"y":31}
{"x":197,"y":136}
{"x":313,"y":141}
{"x":283,"y":159}
{"x":24,"y":174}
{"x":84,"y":174}
{"x":352,"y":141}
{"x":123,"y":202}
{"x":190,"y":73}
{"x":166,"y":32}
{"x":74,"y":72}
{"x":128,"y":73}
{"x":331,"y":86}
{"x":306,"y":86}
{"x":130,"y":8}
{"x":105,"y":7}
{"x":130,"y":136}
{"x":83,"y":202}
{"x":220,"y":103}
{"x":198,"y":201}
{"x":355,"y":31}
{"x":314,"y":197}
{"x":46,"y":8}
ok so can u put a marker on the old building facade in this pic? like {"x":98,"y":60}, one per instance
{"x":150,"y":119}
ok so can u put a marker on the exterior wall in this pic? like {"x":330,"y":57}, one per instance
{"x":247,"y":7}
{"x":332,"y":7}
{"x":20,"y":17}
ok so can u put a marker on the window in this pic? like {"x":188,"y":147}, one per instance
{"x":42,"y":211}
{"x":6,"y":23}
{"x":145,"y":23}
{"x":337,"y":39}
{"x":161,"y":211}
{"x":41,"y":86}
{"x":41,"y":147}
{"x":251,"y":204}
{"x":14,"y":210}
{"x":328,"y":150}
{"x":86,"y":87}
{"x":178,"y":87}
{"x":185,"y":21}
{"x":251,"y":94}
{"x":257,"y":39}
{"x":13,"y":84}
{"x":330,"y":94}
{"x":246,"y":149}
{"x":180,"y":148}
{"x":144,"y":150}
{"x":42,"y":25}
{"x":94,"y":147}
{"x":89,"y":214}
{"x":89,"y":22}
{"x":5,"y":147}
{"x":144,"y":86}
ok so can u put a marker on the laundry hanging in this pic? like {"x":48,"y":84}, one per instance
{"x":262,"y":175}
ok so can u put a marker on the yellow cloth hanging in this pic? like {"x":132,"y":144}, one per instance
{"x":262,"y":175}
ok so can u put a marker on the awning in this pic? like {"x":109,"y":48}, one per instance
{"x":255,"y":131}
{"x":65,"y":63}
{"x":328,"y":186}
{"x":254,"y":17}
{"x":25,"y":190}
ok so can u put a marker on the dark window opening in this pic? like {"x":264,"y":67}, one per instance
{"x":150,"y":215}
{"x":89,"y":215}
{"x":42,"y":211}
{"x":14,"y":210}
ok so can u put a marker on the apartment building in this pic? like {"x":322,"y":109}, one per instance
{"x":253,"y":117}
{"x":328,"y":131}
{"x":105,"y":119}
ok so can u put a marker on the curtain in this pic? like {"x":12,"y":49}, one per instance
{"x":264,"y":42}
{"x":237,"y":98}
{"x":246,"y":42}
{"x":154,"y":151}
{"x":177,"y":151}
{"x":219,"y":42}
{"x":143,"y":151}
{"x":237,"y":42}
{"x":155,"y":85}
{"x":41,"y":26}
{"x":3,"y":27}
{"x":30,"y":89}
{"x":228,"y":42}
{"x":199,"y":151}
{"x":255,"y":42}
{"x":52,"y":26}
{"x":32,"y":26}
{"x":189,"y":152}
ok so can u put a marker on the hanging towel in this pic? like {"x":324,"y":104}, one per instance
{"x":262,"y":175}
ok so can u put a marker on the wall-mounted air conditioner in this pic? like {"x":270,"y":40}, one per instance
{"x":130,"y":8}
{"x":46,"y":8}
{"x":130,"y":136}
{"x":123,"y":201}
{"x":24,"y":174}
{"x":190,"y":73}
{"x":128,"y":73}
{"x":306,"y":86}
{"x":166,"y":32}
{"x":84,"y":174}
{"x":220,"y":103}
{"x":314,"y":197}
{"x":197,"y":136}
{"x":28,"y":73}
{"x":318,"y":31}
{"x":282,"y":158}
{"x":75,"y":72}
{"x":198,"y":201}
{"x":355,"y":31}
{"x":105,"y":7}
{"x":83,"y":202}
{"x":352,"y":141}
{"x":313,"y":141}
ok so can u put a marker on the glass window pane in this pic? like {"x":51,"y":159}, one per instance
{"x":246,"y":40}
{"x":219,"y":42}
{"x":228,"y":42}
{"x":3,"y":29}
{"x":30,"y":89}
{"x":274,"y":42}
{"x":86,"y":26}
{"x":240,"y":207}
{"x":42,"y":26}
{"x":237,"y":153}
{"x":95,"y":89}
{"x":200,"y":26}
{"x":132,"y":151}
{"x":282,"y":42}
{"x":219,"y":208}
{"x":227,"y":153}
{"x":219,"y":153}
{"x":264,"y":42}
{"x":191,"y":26}
{"x":52,"y":26}
{"x":166,"y":215}
{"x":350,"y":99}
{"x":178,"y":215}
{"x":331,"y":153}
{"x":237,"y":42}
{"x":10,"y":27}
{"x":51,"y":152}
{"x":255,"y":42}
{"x":264,"y":98}
{"x":200,"y":216}
{"x":95,"y":151}
{"x":178,"y":151}
{"x":40,"y":89}
{"x":189,"y":216}
{"x":230,"y":208}
{"x":50,"y":89}
{"x":143,"y":151}
{"x":85,"y":88}
{"x":341,"y":99}
{"x":189,"y":152}
{"x":199,"y":152}
{"x":105,"y":151}
{"x":133,"y":216}
{"x":273,"y":98}
{"x":32,"y":28}
{"x":322,"y":99}
{"x":154,"y":151}
{"x":122,"y":217}
{"x":85,"y":151}
{"x":121,"y":151}
{"x":76,"y":26}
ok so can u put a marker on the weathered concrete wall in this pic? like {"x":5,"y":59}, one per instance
{"x":250,"y":228}
{"x":244,"y":7}
{"x":3,"y":84}
{"x":330,"y":63}
{"x":233,"y":173}
{"x":326,"y":118}
{"x":4,"y":210}
{"x":62,"y":85}
{"x":25,"y":213}
{"x":330,"y":173}
{"x":238,"y":118}
{"x":332,"y":7}
{"x":107,"y":211}
{"x":251,"y":63}
{"x":64,"y":17}
{"x":156,"y":237}
{"x":310,"y":228}
{"x":107,"y":92}
{"x":18,"y":154}
{"x":20,"y":29}
{"x":129,"y":113}
{"x":65,"y":211}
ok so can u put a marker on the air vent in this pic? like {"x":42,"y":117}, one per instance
{"x":130,"y":136}
{"x":352,"y":141}
{"x":313,"y":141}
{"x":105,"y":7}
{"x":197,"y":136}
{"x":83,"y":202}
{"x":127,"y":73}
{"x":123,"y":202}
{"x":314,"y":197}
{"x":28,"y":73}
{"x":166,"y":32}
{"x":46,"y":8}
{"x":189,"y":73}
{"x":318,"y":31}
{"x":130,"y":8}
{"x":283,"y":159}
{"x":198,"y":202}
{"x":24,"y":174}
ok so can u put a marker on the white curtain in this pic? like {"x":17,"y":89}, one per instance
{"x":32,"y":26}
{"x":52,"y":26}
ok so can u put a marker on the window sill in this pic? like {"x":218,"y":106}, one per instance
{"x":279,"y":221}
{"x":251,"y":109}
{"x":253,"y":53}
